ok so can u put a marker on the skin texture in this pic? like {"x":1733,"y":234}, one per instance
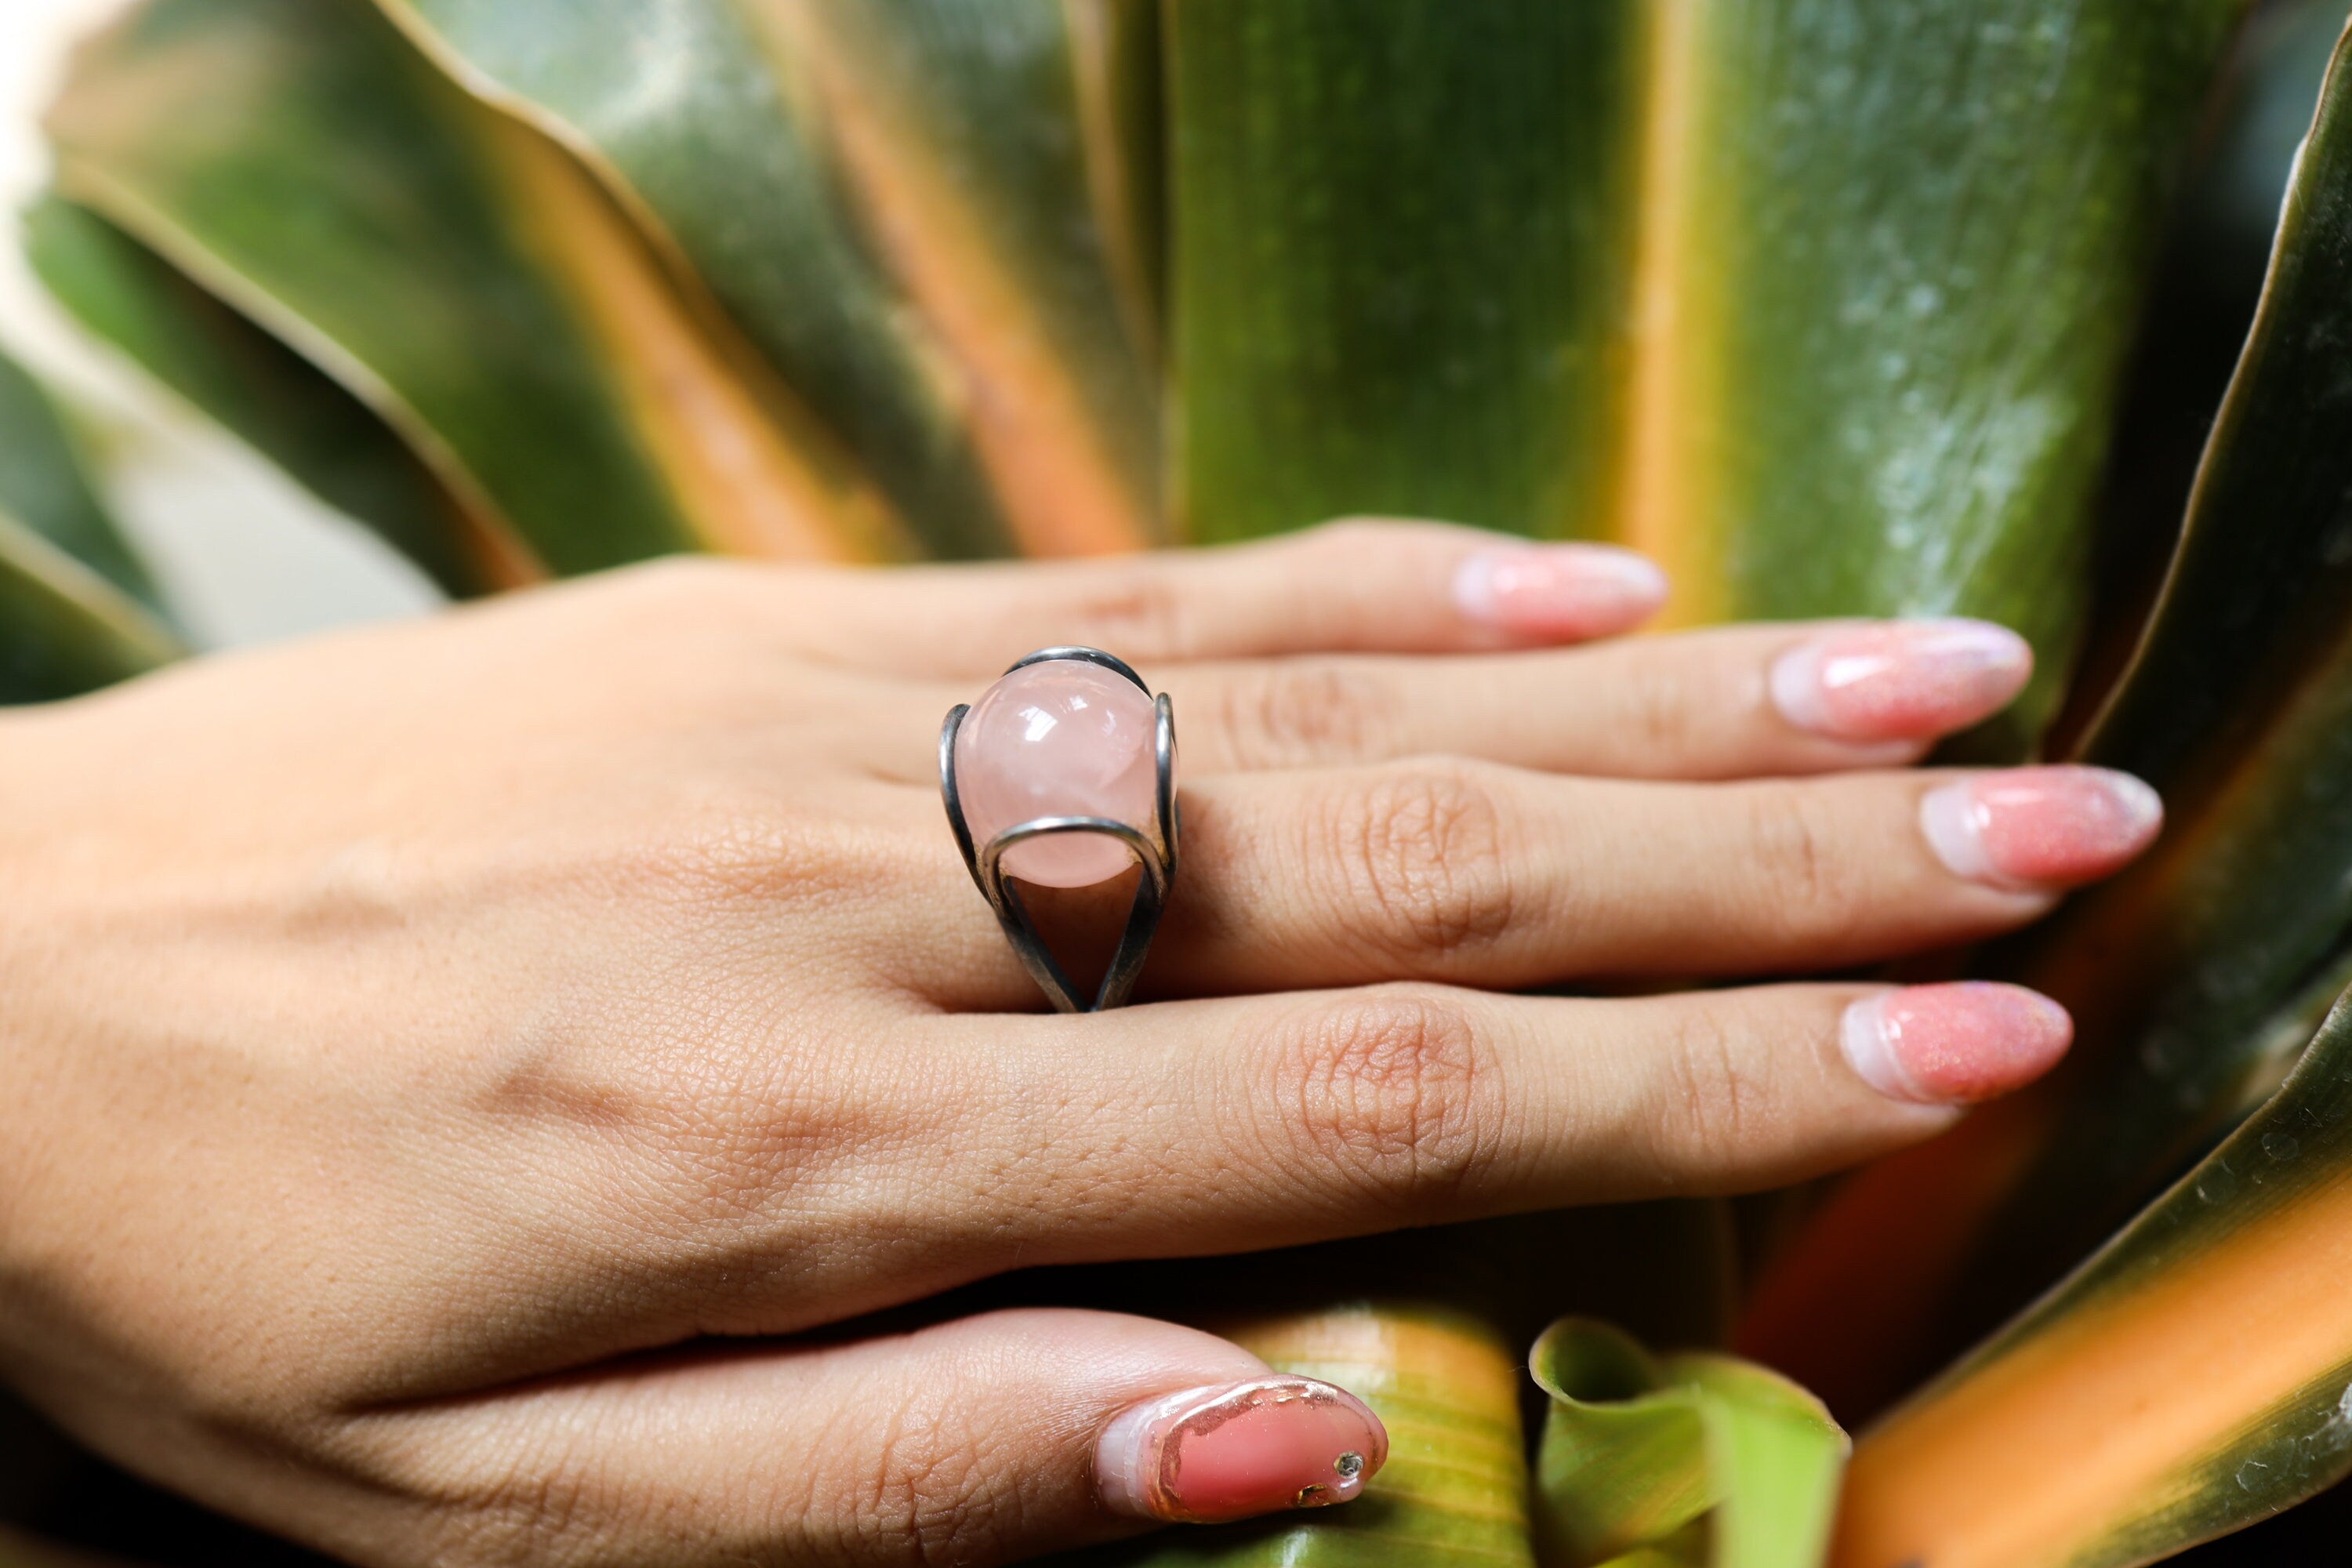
{"x":448,"y":1063}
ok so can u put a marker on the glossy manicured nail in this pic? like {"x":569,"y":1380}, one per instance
{"x":1954,"y":1044}
{"x":1206,"y":1455}
{"x":2041,"y":828}
{"x":1559,"y":592}
{"x":1900,"y":680}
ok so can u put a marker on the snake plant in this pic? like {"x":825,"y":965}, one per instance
{"x":1835,"y":307}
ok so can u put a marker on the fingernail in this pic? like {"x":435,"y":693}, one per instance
{"x":1957,"y":1044}
{"x":1559,"y":592}
{"x":2041,"y":828}
{"x":1207,"y":1455}
{"x":1900,"y":680}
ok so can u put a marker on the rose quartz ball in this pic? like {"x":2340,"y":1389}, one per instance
{"x":1063,"y":738}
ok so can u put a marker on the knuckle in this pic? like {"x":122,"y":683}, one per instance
{"x":677,"y":614}
{"x":797,"y":1145}
{"x":1793,"y":844}
{"x":735,"y":848}
{"x":698,"y":1154}
{"x":520,"y":1502}
{"x":1349,"y":537}
{"x":1418,"y":851}
{"x":1346,"y":538}
{"x":1395,"y":1089}
{"x":737,"y":1146}
{"x":1709,"y":1100}
{"x":925,"y":1494}
{"x":666,"y":577}
{"x":698,"y":591}
{"x":1295,"y":714}
{"x":1657,"y":708}
{"x":1142,"y":610}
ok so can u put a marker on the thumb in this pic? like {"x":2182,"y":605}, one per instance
{"x":980,"y":1441}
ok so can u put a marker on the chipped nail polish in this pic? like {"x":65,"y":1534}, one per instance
{"x":1900,"y":680}
{"x":1955,"y":1044}
{"x":1203,"y":1456}
{"x":1559,"y":592}
{"x":2041,"y":828}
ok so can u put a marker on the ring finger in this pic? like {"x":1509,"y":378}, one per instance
{"x":1235,"y":1124}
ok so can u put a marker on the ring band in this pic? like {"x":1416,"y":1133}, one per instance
{"x":1112,"y":762}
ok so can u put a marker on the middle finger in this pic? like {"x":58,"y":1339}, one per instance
{"x":1733,"y":702}
{"x":1502,"y":877}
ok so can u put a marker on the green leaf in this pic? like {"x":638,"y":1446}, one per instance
{"x":1454,"y":1490}
{"x":2216,"y":253}
{"x":64,"y":629}
{"x":43,"y":487}
{"x":1403,"y":248}
{"x":2195,"y":977}
{"x":1866,"y":405}
{"x":1453,"y":1493}
{"x":935,"y":219}
{"x":1735,"y":283}
{"x":1637,"y":1450}
{"x":1777,"y":1456}
{"x":455,"y":272}
{"x":265,"y":393}
{"x":76,"y":610}
{"x":1427,"y":1326}
{"x":1624,"y":1456}
{"x":2194,"y":1377}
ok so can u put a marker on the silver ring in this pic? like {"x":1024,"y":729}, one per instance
{"x":1152,"y":842}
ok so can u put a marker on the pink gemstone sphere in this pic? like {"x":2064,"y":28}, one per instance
{"x":1062,"y":737}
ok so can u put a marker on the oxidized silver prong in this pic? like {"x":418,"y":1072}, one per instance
{"x":1164,"y":750}
{"x":949,"y":795}
{"x":1110,"y":661}
{"x":1142,"y":919}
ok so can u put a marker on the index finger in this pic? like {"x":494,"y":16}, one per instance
{"x":1354,"y":586}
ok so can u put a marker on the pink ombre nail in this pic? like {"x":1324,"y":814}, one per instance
{"x":1954,"y":1044}
{"x":1900,"y":680}
{"x":1203,"y":1456}
{"x":1559,"y":592}
{"x":2035,"y":828}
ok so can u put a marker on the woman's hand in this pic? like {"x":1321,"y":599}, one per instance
{"x":399,"y":1030}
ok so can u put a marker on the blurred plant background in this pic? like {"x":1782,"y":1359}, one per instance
{"x":1835,"y":306}
{"x":246,"y":555}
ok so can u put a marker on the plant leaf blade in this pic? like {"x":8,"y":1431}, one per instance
{"x":455,"y":271}
{"x":1533,"y":266}
{"x":268,"y":395}
{"x":1453,"y":1493}
{"x":44,"y":486}
{"x":2196,"y":977}
{"x":1855,"y":404}
{"x":1401,"y":249}
{"x":64,"y":630}
{"x":78,"y":611}
{"x":2178,"y":1386}
{"x":1697,"y":1457}
{"x":1778,"y":1458}
{"x":1622,"y":1462}
{"x":927,"y":216}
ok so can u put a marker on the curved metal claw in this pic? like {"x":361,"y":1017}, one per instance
{"x":1154,"y":850}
